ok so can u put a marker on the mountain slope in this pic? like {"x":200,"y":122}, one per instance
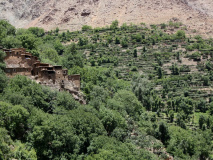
{"x":49,"y":14}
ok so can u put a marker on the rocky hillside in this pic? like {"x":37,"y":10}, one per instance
{"x":49,"y":14}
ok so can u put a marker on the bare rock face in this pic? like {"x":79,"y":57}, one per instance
{"x":72,"y":15}
{"x":86,"y":12}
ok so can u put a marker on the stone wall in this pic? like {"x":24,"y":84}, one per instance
{"x":76,"y":80}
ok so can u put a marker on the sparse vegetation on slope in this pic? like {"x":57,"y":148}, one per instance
{"x":71,"y":15}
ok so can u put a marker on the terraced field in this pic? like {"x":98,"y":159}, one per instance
{"x":175,"y":64}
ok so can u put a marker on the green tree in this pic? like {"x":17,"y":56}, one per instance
{"x":135,"y":53}
{"x":171,"y":116}
{"x":11,"y":42}
{"x":92,"y":61}
{"x":48,"y":52}
{"x":202,"y":121}
{"x":37,"y":95}
{"x":5,"y":142}
{"x":6,"y":29}
{"x":184,"y":144}
{"x":202,"y":106}
{"x":117,"y":40}
{"x":114,"y":25}
{"x":180,"y":120}
{"x":39,"y":32}
{"x":14,"y":119}
{"x":111,"y":119}
{"x":59,"y":47}
{"x":3,"y":78}
{"x":205,"y":80}
{"x":175,"y":70}
{"x":98,"y":94}
{"x":83,"y":41}
{"x":180,"y":34}
{"x":57,"y":30}
{"x":163,"y":26}
{"x":211,"y":108}
{"x":124,"y":43}
{"x":129,"y":102}
{"x":142,"y":88}
{"x":54,"y":137}
{"x":87,"y":126}
{"x":72,"y":58}
{"x":21,"y":151}
{"x":29,"y":41}
{"x":66,"y":101}
{"x":86,"y":28}
{"x":164,"y":134}
{"x":107,"y":148}
{"x":209,"y":65}
{"x":160,"y":72}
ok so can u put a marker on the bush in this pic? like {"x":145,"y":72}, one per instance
{"x":86,"y":28}
{"x":163,"y":26}
{"x":124,"y":43}
{"x":114,"y":25}
{"x":205,"y":80}
{"x":134,"y":68}
{"x":180,"y":34}
{"x":39,"y":32}
{"x":196,"y":56}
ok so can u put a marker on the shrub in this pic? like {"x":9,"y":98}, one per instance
{"x":86,"y":27}
{"x":134,"y":68}
{"x":180,"y":34}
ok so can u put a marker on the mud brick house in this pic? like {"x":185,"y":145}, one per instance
{"x":20,"y":62}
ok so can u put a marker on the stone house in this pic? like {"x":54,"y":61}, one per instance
{"x":20,"y":62}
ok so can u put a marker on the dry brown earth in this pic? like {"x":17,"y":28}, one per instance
{"x":72,"y":14}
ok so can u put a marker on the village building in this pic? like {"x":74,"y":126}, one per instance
{"x":20,"y":62}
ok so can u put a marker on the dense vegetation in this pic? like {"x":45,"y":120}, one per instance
{"x":148,"y":90}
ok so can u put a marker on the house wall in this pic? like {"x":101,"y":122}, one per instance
{"x":16,"y":52}
{"x":18,"y":71}
{"x":76,"y":80}
{"x":48,"y":76}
